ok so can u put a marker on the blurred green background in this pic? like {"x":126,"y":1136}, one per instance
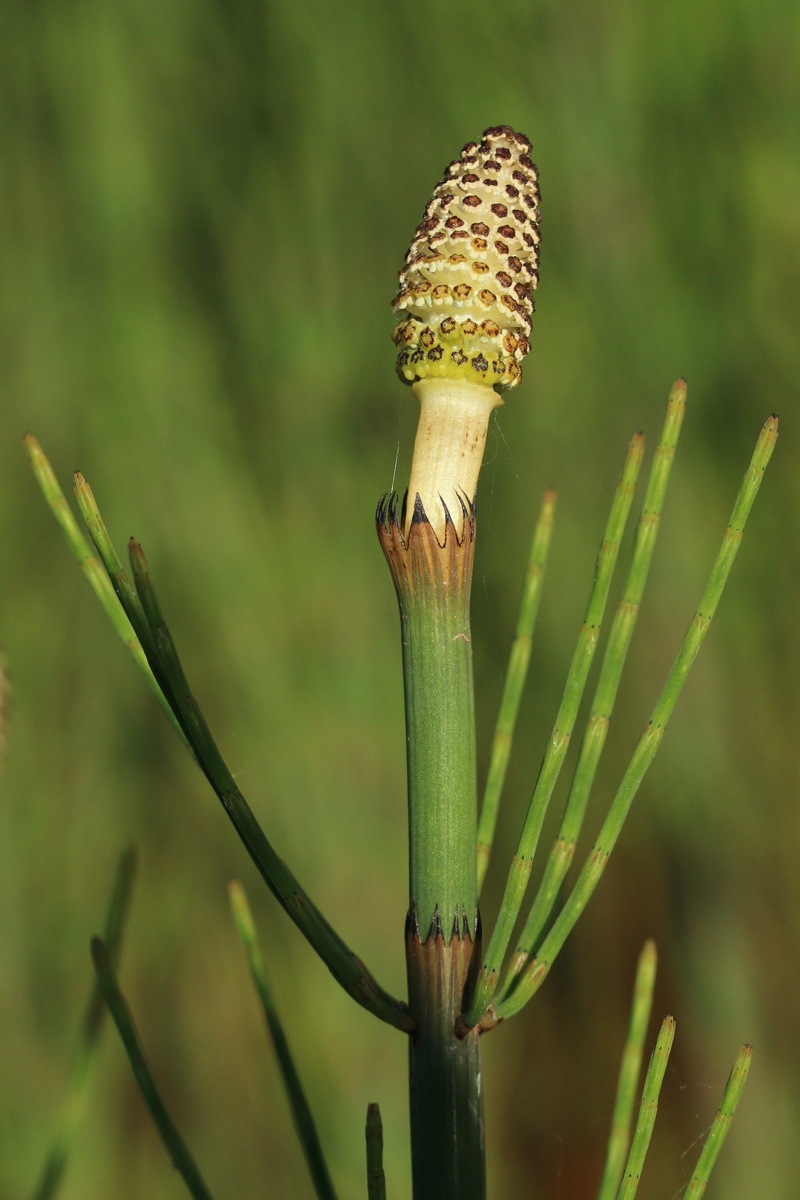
{"x":204,"y":210}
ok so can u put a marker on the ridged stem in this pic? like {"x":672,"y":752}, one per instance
{"x":432,"y":580}
{"x":433,"y":585}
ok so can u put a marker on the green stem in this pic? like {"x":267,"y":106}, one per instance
{"x":440,"y":725}
{"x":433,"y":585}
{"x":433,"y":589}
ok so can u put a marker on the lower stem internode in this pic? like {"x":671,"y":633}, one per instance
{"x":446,"y":1101}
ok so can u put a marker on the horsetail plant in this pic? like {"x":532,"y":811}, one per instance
{"x":464,"y":310}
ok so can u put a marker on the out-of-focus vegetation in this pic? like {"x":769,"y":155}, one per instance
{"x":204,"y":209}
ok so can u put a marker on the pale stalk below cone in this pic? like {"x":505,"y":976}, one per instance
{"x":448,"y":450}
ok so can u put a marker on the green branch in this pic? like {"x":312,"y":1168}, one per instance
{"x":722,"y":1123}
{"x":93,"y":570}
{"x":136,"y":615}
{"x":523,"y":986}
{"x":179,"y":1154}
{"x":301,"y":1112}
{"x":516,"y":675}
{"x":620,"y":1136}
{"x":558,"y":744}
{"x":648,"y":1109}
{"x":376,"y":1180}
{"x":616,"y":652}
{"x":74,"y":1104}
